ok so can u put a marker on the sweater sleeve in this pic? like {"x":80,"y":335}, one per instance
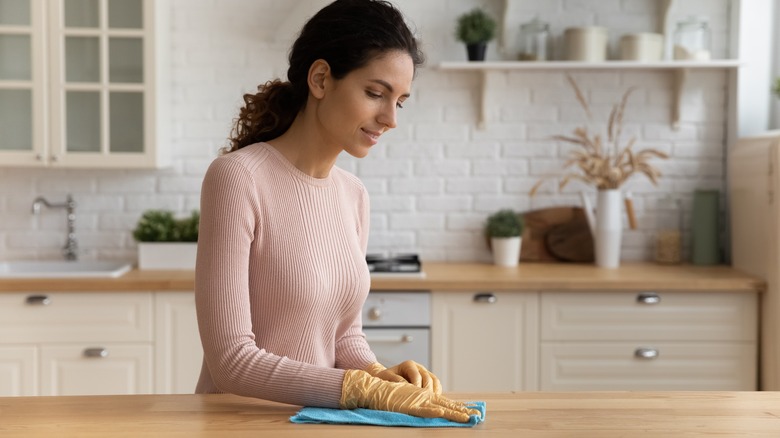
{"x":229,"y":212}
{"x":352,"y":349}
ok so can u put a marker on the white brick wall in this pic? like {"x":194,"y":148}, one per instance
{"x":434,"y":179}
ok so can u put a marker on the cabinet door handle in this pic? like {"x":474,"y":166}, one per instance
{"x":488,"y":298}
{"x":38,"y":300}
{"x":646,"y":353}
{"x":648,"y":298}
{"x":374,"y":313}
{"x":97,"y":352}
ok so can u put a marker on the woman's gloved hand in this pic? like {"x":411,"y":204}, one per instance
{"x":362,"y":390}
{"x":408,"y":371}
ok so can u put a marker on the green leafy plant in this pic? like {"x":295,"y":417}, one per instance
{"x":776,"y":87}
{"x":475,"y":26}
{"x":162,"y":226}
{"x":504,"y":223}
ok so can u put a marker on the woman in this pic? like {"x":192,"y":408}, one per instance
{"x":281,"y":276}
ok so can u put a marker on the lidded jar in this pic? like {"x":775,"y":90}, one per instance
{"x":668,"y":237}
{"x":692,"y":39}
{"x":534,"y":41}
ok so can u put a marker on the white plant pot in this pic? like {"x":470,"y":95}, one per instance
{"x":167,"y":255}
{"x":506,"y":250}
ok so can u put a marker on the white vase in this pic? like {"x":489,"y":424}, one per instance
{"x":609,"y":228}
{"x":506,"y":250}
{"x":167,"y":255}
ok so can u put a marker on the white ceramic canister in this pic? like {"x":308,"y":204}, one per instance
{"x":585,"y":43}
{"x":644,"y":47}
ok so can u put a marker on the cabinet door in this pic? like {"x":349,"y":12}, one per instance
{"x":18,"y":371}
{"x":22,"y":83}
{"x":99,"y":369}
{"x":648,"y":366}
{"x":485,"y":341}
{"x":178,"y":352}
{"x":104,"y":82}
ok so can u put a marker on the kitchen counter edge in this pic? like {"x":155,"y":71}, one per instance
{"x":453,"y":277}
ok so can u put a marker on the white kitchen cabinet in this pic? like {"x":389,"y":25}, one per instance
{"x":178,"y":351}
{"x":84,"y":83}
{"x":485,"y":341}
{"x":105,"y":369}
{"x":76,"y":343}
{"x":18,"y":371}
{"x":648,"y":341}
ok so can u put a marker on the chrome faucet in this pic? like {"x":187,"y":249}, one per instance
{"x":70,"y":250}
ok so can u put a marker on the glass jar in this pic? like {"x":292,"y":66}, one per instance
{"x":534,"y":41}
{"x":668,"y":238}
{"x":692,"y":39}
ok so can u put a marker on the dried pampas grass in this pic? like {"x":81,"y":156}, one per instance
{"x":604,"y":165}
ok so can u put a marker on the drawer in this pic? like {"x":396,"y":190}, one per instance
{"x":75,"y":317}
{"x":393,"y":346}
{"x":70,"y":369}
{"x":397,"y":309}
{"x":678,"y":366}
{"x":633,"y":316}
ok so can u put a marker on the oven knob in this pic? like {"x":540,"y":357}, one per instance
{"x":374,"y":313}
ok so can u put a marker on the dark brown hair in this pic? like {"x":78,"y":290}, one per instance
{"x":347,"y":34}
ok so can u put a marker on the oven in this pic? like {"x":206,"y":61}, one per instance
{"x":398,"y":326}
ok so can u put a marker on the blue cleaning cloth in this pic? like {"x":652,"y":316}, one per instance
{"x":312,"y":415}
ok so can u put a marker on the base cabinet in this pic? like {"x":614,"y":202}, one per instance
{"x":596,"y":341}
{"x":178,"y":352}
{"x":482,"y":341}
{"x":98,"y":343}
{"x":104,"y":370}
{"x":18,"y":371}
{"x":648,"y":341}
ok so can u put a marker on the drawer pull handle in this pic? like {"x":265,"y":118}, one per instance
{"x":97,"y":352}
{"x":374,"y":313}
{"x":485,"y":298}
{"x":648,"y":298}
{"x":38,"y":300}
{"x":646,"y":353}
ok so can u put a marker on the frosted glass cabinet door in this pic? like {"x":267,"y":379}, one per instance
{"x":103,"y":98}
{"x":21,"y":82}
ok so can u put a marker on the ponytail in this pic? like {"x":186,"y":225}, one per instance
{"x":266,"y":114}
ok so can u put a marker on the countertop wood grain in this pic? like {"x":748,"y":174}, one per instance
{"x":526,"y":415}
{"x":457,"y":277}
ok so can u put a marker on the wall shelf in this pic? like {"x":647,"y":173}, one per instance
{"x":680,"y":70}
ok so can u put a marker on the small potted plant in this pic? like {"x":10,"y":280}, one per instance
{"x":165,"y":242}
{"x":475,"y":29}
{"x":504,"y":228}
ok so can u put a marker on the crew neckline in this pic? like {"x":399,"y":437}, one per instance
{"x":298,"y":173}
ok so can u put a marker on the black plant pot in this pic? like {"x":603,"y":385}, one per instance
{"x":476,"y":51}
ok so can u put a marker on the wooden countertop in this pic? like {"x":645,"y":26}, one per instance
{"x":526,"y":415}
{"x":457,"y":277}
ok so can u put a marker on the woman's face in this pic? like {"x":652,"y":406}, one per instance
{"x":357,"y":109}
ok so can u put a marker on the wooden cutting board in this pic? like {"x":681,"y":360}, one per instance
{"x":556,"y":234}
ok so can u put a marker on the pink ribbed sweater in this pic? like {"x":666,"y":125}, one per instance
{"x":281,"y":279}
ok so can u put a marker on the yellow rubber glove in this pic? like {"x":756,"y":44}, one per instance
{"x":407,"y":371}
{"x":362,"y":390}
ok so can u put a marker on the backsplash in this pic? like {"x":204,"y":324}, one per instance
{"x":434,"y":179}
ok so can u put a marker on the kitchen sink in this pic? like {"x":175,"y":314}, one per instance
{"x":63,"y":268}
